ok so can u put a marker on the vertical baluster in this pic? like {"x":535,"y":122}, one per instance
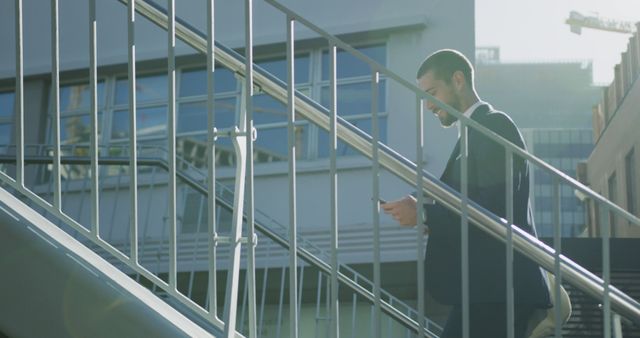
{"x":133,"y":165}
{"x":55,"y":91}
{"x":464,"y":230}
{"x":606,"y":272}
{"x":93,"y":88}
{"x":280,"y":301}
{"x":240,"y":138}
{"x":375,"y":128}
{"x":420,"y":214}
{"x":318,"y":299}
{"x":19,"y":104}
{"x":264,"y":286}
{"x":171,"y":126}
{"x":116,"y":193}
{"x":300,"y":287}
{"x":354,"y":300}
{"x":509,"y":247}
{"x":194,"y":258}
{"x":244,"y":302}
{"x":293,"y":244}
{"x":557,"y":233}
{"x":335,"y":329}
{"x":152,"y":188}
{"x":211,"y":170}
{"x":249,"y":173}
{"x":617,"y":326}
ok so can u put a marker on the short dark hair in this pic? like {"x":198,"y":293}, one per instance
{"x":444,"y":63}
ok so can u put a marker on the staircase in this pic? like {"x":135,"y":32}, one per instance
{"x":227,"y":308}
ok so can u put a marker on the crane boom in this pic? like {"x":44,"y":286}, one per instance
{"x":577,"y":21}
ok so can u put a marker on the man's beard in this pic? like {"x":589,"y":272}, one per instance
{"x":447,"y":120}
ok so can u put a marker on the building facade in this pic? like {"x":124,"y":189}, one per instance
{"x":551,"y":104}
{"x":613,"y":168}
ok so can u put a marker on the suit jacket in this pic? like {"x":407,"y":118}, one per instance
{"x":486,"y":187}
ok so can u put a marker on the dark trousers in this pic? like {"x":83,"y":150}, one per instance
{"x":487,"y":320}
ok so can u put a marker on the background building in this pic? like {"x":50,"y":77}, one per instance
{"x":551,"y":103}
{"x":613,"y":168}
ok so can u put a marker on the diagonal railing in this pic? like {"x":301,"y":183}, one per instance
{"x":196,"y":179}
{"x":384,"y":157}
{"x":545,"y":256}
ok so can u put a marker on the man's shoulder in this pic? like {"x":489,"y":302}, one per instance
{"x":500,"y":123}
{"x":496,"y":117}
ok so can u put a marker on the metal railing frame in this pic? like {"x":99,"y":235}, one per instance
{"x":347,"y":276}
{"x":407,"y":171}
{"x":542,"y":254}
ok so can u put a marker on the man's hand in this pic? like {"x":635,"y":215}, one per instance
{"x":402,"y":210}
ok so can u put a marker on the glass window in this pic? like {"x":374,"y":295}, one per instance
{"x":194,"y":213}
{"x":272,"y":143}
{"x":278,"y":67}
{"x":78,"y":97}
{"x":149,"y":122}
{"x":355,"y":98}
{"x":6,"y":133}
{"x":270,"y":115}
{"x":7,"y":101}
{"x":194,"y":82}
{"x":77,"y":129}
{"x":266,"y":109}
{"x":192,"y":116}
{"x":350,"y":66}
{"x":148,"y":88}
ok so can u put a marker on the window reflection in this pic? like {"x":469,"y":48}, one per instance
{"x":149,"y":122}
{"x":149,"y":88}
{"x":270,"y":115}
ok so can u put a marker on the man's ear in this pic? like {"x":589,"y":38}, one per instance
{"x":458,"y":79}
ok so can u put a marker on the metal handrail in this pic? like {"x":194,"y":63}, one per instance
{"x":389,"y":307}
{"x":405,"y":169}
{"x":375,"y":66}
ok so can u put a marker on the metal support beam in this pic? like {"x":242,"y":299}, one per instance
{"x":291,"y":129}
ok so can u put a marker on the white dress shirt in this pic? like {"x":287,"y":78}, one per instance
{"x":467,"y":113}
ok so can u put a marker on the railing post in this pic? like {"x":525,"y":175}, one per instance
{"x":280,"y":302}
{"x":606,"y":273}
{"x":171,"y":128}
{"x":293,"y":244}
{"x":375,"y":128}
{"x":420,"y":214}
{"x":464,"y":233}
{"x":55,"y":91}
{"x":333,"y":141}
{"x":231,"y":297}
{"x":557,"y":245}
{"x":510,"y":307}
{"x":133,"y":151}
{"x":211,"y":170}
{"x":93,"y":87}
{"x":19,"y":105}
{"x":251,"y":234}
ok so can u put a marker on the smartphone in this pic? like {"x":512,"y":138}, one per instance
{"x":380,"y":200}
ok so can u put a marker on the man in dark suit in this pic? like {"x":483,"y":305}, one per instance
{"x":448,"y":76}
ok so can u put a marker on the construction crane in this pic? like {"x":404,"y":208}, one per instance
{"x":577,"y":21}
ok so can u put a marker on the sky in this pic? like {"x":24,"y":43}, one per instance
{"x":534,"y":31}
